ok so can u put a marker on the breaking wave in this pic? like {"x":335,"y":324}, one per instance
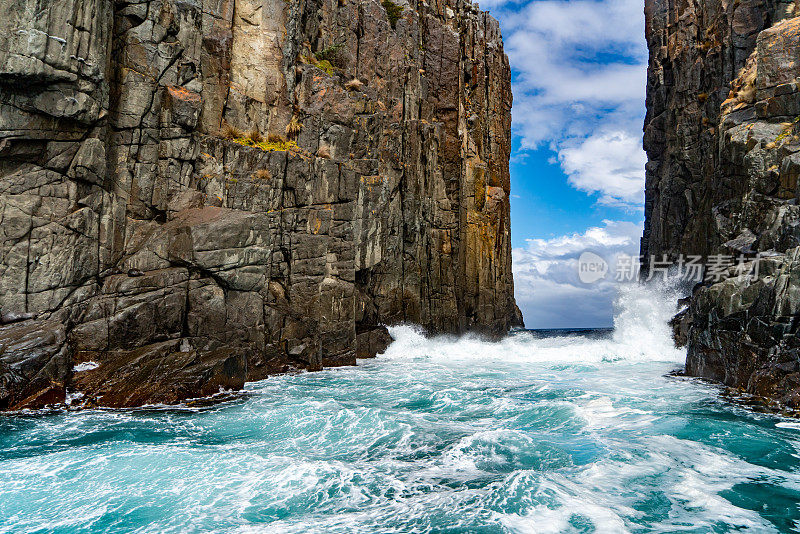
{"x":535,"y":433}
{"x":640,"y":333}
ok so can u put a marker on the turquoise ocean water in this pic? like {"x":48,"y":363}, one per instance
{"x":536,"y":433}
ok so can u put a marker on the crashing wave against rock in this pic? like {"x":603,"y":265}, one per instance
{"x":195,"y":194}
{"x":722,"y":136}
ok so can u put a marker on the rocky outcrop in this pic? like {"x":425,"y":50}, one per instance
{"x":723,"y":145}
{"x":198,"y":193}
{"x":34,"y":364}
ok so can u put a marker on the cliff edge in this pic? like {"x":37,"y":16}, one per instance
{"x":197,"y":193}
{"x":722,"y":135}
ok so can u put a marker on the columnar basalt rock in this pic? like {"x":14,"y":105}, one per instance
{"x":198,"y":193}
{"x":722,"y":136}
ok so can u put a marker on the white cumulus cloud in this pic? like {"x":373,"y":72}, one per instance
{"x":579,"y":84}
{"x":608,"y":163}
{"x":548,"y":289}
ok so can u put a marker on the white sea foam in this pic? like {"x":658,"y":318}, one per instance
{"x":85,"y":366}
{"x":641,"y":333}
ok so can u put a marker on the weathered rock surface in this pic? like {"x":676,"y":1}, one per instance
{"x":145,"y":229}
{"x":161,"y":373}
{"x":723,"y":145}
{"x":35,"y":364}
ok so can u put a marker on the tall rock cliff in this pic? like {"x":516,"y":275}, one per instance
{"x":721,"y":135}
{"x":195,"y":193}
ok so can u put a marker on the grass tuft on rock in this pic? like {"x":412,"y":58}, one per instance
{"x":326,"y":66}
{"x":229,"y":132}
{"x":788,"y":129}
{"x":354,"y":85}
{"x":294,"y":128}
{"x":269,"y":145}
{"x":255,"y":136}
{"x":328,"y":54}
{"x":261,"y":174}
{"x":393,"y":11}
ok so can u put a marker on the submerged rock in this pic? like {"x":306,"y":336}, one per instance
{"x":217,"y":200}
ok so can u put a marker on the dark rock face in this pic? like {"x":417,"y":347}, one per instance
{"x":195,"y":194}
{"x":722,"y":136}
{"x":34,"y":364}
{"x":160,"y":373}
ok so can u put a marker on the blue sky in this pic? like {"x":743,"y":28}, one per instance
{"x":577,"y":167}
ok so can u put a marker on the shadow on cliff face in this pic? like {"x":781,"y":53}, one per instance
{"x":193,"y":195}
{"x":722,"y":139}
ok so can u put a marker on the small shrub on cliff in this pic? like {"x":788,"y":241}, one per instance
{"x":255,"y":136}
{"x":393,"y":12}
{"x":788,"y":129}
{"x":229,"y":132}
{"x":354,"y":85}
{"x":329,"y":54}
{"x":276,"y":138}
{"x":326,"y":66}
{"x":747,"y":93}
{"x":261,"y":174}
{"x":308,"y":59}
{"x":293,"y":128}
